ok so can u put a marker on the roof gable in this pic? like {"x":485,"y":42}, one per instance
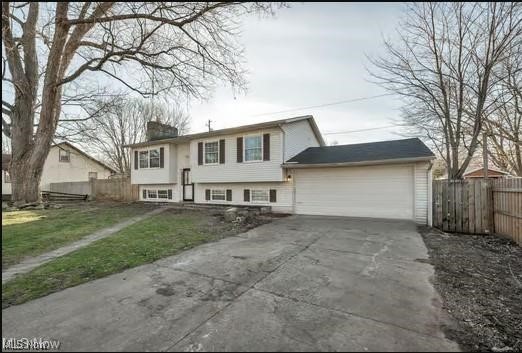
{"x":84,"y":154}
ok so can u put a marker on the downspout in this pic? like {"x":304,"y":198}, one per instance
{"x":430,"y":195}
{"x":286,"y":171}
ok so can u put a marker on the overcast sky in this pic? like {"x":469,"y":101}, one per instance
{"x":311,"y":54}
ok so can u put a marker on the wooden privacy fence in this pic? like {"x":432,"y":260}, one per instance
{"x":479,"y":206}
{"x":117,"y":189}
{"x":507,"y":208}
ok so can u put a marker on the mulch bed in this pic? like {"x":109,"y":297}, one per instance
{"x":480,"y":280}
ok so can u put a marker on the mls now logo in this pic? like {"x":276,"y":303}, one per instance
{"x":29,"y":344}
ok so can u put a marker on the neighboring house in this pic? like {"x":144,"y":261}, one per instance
{"x":286,"y":165}
{"x":64,"y":163}
{"x":479,"y":173}
{"x":6,"y":177}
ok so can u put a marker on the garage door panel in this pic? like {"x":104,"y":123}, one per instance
{"x":379,"y":191}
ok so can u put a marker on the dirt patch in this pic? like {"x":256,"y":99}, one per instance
{"x":480,"y":280}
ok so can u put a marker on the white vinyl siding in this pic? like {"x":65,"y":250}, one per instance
{"x":422,"y":191}
{"x":158,"y":193}
{"x":77,"y":169}
{"x":151,"y":174}
{"x":284,"y":192}
{"x":385,"y":191}
{"x":232,"y":171}
{"x":298,"y":137}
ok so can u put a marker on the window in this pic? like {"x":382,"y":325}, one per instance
{"x":217,"y":195}
{"x":93,"y":175}
{"x":211,"y":152}
{"x":7,"y":177}
{"x":64,"y":156}
{"x":259,"y":195}
{"x":149,"y":159}
{"x":157,"y":194}
{"x":144,"y":159}
{"x":154,"y":159}
{"x":253,"y":148}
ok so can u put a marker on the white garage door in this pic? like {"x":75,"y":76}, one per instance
{"x":374,"y":191}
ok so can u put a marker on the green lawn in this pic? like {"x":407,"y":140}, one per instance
{"x":30,"y":233}
{"x":162,"y":235}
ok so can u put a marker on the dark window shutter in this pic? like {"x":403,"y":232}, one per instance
{"x":144,"y":193}
{"x":135,"y":159}
{"x":273,"y":195}
{"x":266,"y":147}
{"x":221,"y":151}
{"x":229,"y":195}
{"x":162,"y":157}
{"x":170,"y":194}
{"x":239,"y":149}
{"x":200,"y":153}
{"x":246,"y":195}
{"x":207,"y":194}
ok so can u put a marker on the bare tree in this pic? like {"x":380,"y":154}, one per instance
{"x":124,"y":122}
{"x":147,"y":47}
{"x":504,"y":125}
{"x":443,"y":67}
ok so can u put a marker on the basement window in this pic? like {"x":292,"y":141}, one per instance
{"x":217,"y":195}
{"x":260,"y":196}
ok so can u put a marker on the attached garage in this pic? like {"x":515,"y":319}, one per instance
{"x":359,"y":181}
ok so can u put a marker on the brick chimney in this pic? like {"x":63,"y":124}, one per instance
{"x":159,"y":131}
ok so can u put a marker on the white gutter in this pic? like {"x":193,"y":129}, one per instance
{"x":361,"y":163}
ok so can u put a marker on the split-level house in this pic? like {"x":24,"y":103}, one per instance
{"x":285,"y":164}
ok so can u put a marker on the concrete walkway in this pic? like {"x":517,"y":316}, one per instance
{"x":296,"y":284}
{"x":33,"y":262}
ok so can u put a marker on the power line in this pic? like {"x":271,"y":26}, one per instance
{"x":325,"y":104}
{"x":361,"y":130}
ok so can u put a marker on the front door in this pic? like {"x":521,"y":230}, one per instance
{"x":188,"y":185}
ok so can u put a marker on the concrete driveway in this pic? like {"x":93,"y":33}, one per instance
{"x":297,"y":284}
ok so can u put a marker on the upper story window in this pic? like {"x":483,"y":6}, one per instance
{"x":93,"y":175}
{"x":253,"y":148}
{"x":149,"y":159}
{"x":144,"y":159}
{"x":64,"y":156}
{"x":7,"y":177}
{"x":154,"y":159}
{"x":211,"y":152}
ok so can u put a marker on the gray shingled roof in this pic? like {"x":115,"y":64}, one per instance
{"x":363,"y":152}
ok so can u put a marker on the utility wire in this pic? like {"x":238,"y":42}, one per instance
{"x":361,"y":130}
{"x":325,"y":104}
